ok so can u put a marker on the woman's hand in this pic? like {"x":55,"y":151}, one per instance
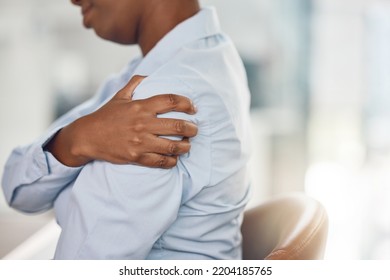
{"x":125,"y":131}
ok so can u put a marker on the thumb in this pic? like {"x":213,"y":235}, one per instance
{"x":128,"y":90}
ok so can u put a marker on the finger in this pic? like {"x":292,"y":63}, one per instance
{"x":157,"y":161}
{"x":165,"y":103}
{"x":128,"y":90}
{"x":172,"y":127}
{"x":168,"y":147}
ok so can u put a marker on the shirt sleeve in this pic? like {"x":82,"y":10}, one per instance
{"x":32,"y":177}
{"x":119,"y":211}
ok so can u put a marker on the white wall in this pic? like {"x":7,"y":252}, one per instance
{"x":25,"y":56}
{"x":344,"y":172}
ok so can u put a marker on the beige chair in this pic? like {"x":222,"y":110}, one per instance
{"x":288,"y":227}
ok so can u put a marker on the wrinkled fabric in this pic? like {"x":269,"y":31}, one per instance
{"x":192,"y":211}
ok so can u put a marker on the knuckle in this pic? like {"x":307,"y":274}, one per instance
{"x":172,"y":99}
{"x":136,"y":106}
{"x":136,"y":140}
{"x":134,"y":156}
{"x":162,"y":162}
{"x":180,"y":126}
{"x":139,"y":126}
{"x":173,"y":148}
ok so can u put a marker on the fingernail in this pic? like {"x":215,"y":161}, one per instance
{"x":194,"y":108}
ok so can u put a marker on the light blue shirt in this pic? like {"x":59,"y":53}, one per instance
{"x":192,"y":211}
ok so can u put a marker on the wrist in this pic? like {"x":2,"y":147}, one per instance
{"x":78,"y":147}
{"x":67,"y":146}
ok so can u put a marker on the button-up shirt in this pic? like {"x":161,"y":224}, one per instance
{"x":192,"y":211}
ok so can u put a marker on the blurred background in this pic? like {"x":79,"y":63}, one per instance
{"x":319,"y":73}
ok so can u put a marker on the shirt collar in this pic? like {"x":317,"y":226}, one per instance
{"x":204,"y":24}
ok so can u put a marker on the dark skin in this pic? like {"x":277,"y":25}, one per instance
{"x":133,"y":123}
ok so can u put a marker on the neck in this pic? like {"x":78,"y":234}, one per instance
{"x":160,"y":17}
